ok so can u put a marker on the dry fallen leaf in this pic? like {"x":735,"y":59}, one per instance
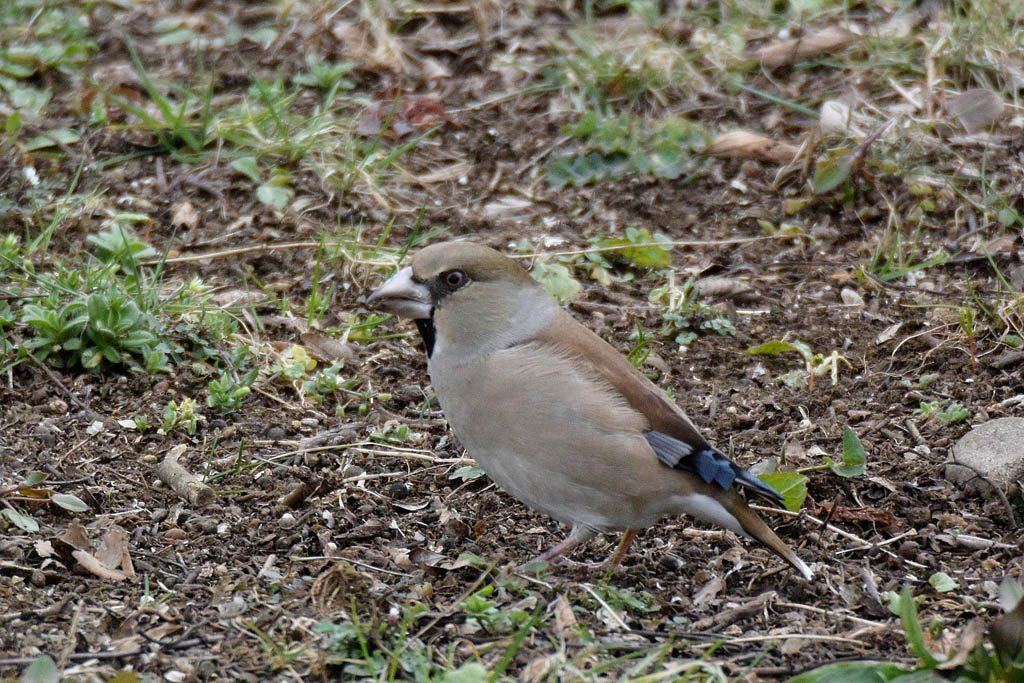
{"x":743,"y":144}
{"x":75,"y":537}
{"x":326,"y":348}
{"x":565,"y":620}
{"x":94,"y":566}
{"x":722,"y":287}
{"x":792,"y":50}
{"x":184,"y":215}
{"x":889,"y":333}
{"x":708,"y":591}
{"x":113,"y":551}
{"x":976,"y":109}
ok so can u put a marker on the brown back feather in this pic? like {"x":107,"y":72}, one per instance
{"x":613,"y":367}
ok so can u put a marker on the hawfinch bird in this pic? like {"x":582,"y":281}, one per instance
{"x":555,"y":415}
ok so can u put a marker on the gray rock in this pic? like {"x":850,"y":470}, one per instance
{"x":995,"y":449}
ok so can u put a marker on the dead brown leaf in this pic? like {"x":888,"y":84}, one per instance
{"x":841,"y":513}
{"x":792,"y":50}
{"x":743,"y":144}
{"x":184,"y":215}
{"x":326,"y":348}
{"x":565,"y":620}
{"x":75,"y":537}
{"x":722,"y":287}
{"x":976,"y":109}
{"x":94,"y":566}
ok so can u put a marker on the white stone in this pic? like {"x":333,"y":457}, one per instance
{"x":995,"y":449}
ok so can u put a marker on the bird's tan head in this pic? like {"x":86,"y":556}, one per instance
{"x":438,"y":271}
{"x":464,"y":294}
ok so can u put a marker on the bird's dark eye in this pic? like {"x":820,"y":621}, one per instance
{"x":454,"y":279}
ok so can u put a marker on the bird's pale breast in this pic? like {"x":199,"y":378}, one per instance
{"x":561,"y":442}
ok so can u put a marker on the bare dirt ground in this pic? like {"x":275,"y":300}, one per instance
{"x":234,"y":589}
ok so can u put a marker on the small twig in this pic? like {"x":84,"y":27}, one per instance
{"x":71,"y":637}
{"x":615,"y":617}
{"x":831,"y":613}
{"x":914,"y":433}
{"x":189,"y":486}
{"x":897,"y":537}
{"x":727,"y":617}
{"x":841,"y":532}
{"x":802,"y":636}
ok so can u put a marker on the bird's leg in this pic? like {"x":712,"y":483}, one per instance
{"x":578,"y":535}
{"x":620,"y":552}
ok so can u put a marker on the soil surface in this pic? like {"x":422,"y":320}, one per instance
{"x":234,"y":589}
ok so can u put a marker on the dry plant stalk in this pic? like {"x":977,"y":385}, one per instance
{"x":187,"y":485}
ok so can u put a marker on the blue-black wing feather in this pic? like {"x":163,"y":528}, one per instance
{"x":707,"y":463}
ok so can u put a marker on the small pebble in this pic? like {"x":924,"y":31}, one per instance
{"x":276,"y":433}
{"x":909,"y":549}
{"x":57,"y":406}
{"x":398,"y":490}
{"x":851,"y":297}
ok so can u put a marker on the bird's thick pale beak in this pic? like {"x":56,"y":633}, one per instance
{"x":403,"y":296}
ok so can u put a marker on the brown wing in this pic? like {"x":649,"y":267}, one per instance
{"x":671,"y":435}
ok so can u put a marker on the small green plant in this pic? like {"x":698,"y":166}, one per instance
{"x":641,"y":603}
{"x":31,"y":491}
{"x":974,"y":660}
{"x":181,"y":415}
{"x":965,"y":317}
{"x":684,"y":315}
{"x":327,"y":381}
{"x":104,"y":326}
{"x":295,"y":364}
{"x":120,"y":245}
{"x":176,"y":123}
{"x":227,"y":392}
{"x":793,"y":485}
{"x":395,"y":434}
{"x":613,"y":147}
{"x":638,"y":248}
{"x":488,"y":615}
{"x":230,"y":388}
{"x":328,"y":77}
{"x":953,"y":414}
{"x":467,"y":473}
{"x":815,"y":364}
{"x":368,"y":647}
{"x":641,"y":350}
{"x":895,"y":257}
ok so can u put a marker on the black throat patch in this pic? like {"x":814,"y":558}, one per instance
{"x":428,"y":332}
